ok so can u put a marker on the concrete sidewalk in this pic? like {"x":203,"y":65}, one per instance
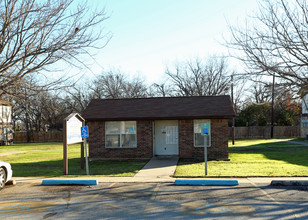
{"x":298,"y":142}
{"x":158,"y":167}
{"x":158,"y":170}
{"x":260,"y":181}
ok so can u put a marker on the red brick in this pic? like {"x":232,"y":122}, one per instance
{"x":218,"y":150}
{"x":144,"y":148}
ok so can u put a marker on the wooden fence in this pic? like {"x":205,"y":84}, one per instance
{"x":39,"y":136}
{"x":265,"y":132}
{"x":240,"y":133}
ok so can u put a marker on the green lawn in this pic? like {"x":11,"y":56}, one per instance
{"x":300,"y":140}
{"x":254,"y":157}
{"x":46,"y":159}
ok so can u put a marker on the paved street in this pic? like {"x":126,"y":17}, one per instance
{"x":29,"y":200}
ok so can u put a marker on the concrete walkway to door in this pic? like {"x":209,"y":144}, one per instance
{"x":162,"y":167}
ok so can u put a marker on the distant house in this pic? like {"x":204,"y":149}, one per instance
{"x":304,"y":124}
{"x":147,"y":127}
{"x":6,"y":131}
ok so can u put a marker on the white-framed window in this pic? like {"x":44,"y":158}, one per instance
{"x":120,"y":134}
{"x":198,"y":138}
{"x":6,"y":113}
{"x":304,"y":123}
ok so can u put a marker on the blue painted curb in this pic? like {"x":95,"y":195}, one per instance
{"x":207,"y":182}
{"x":69,"y":182}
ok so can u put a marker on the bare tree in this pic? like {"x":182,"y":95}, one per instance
{"x":274,"y":42}
{"x":78,"y":98}
{"x":162,"y":89}
{"x":114,"y":84}
{"x":239,"y":84}
{"x":197,"y":78}
{"x":261,"y":94}
{"x":108,"y":85}
{"x":36,"y":34}
{"x":135,"y":88}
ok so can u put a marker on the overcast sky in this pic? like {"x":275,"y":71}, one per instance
{"x":148,"y":35}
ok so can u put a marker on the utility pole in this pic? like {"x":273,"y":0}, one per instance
{"x":273,"y":96}
{"x":233,"y":119}
{"x":27,"y":115}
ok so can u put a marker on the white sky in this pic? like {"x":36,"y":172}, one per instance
{"x":148,"y":35}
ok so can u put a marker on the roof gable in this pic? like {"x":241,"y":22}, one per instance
{"x":159,"y":108}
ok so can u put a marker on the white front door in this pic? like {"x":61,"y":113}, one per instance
{"x":166,"y":137}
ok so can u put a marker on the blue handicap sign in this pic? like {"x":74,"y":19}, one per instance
{"x":205,"y":128}
{"x":84,"y":132}
{"x":204,"y":131}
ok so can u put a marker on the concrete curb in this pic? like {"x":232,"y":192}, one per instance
{"x":289,"y":183}
{"x":207,"y":182}
{"x":265,"y":181}
{"x":69,"y":182}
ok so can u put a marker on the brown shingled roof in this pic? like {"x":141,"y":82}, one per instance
{"x":159,"y":108}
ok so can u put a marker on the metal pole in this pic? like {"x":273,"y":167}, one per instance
{"x":27,"y":115}
{"x":87,"y":163}
{"x":233,"y":119}
{"x":65,"y":159}
{"x":82,"y":160}
{"x":205,"y":154}
{"x":272,"y":120}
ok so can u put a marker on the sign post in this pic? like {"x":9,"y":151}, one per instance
{"x":71,"y":135}
{"x":205,"y":156}
{"x":85,"y":135}
{"x":205,"y":128}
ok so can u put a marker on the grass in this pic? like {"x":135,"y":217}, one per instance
{"x":46,"y":159}
{"x":254,"y":158}
{"x":300,"y":140}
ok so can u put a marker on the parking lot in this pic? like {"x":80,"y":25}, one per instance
{"x":28,"y":200}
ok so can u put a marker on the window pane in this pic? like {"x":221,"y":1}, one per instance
{"x":112,"y":127}
{"x":4,"y":112}
{"x":129,"y":127}
{"x":121,"y":134}
{"x":129,"y":140}
{"x":199,"y":140}
{"x":112,"y":140}
{"x":197,"y":126}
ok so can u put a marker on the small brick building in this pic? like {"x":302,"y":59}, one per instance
{"x":6,"y":124}
{"x":147,"y":127}
{"x":304,"y":121}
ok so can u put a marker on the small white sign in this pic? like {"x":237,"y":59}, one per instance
{"x":73,"y":130}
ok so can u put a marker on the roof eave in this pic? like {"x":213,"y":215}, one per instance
{"x":160,"y":118}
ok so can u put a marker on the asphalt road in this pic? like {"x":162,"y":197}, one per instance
{"x":152,"y":200}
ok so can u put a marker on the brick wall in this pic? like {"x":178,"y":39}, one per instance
{"x":144,"y":142}
{"x":219,"y":136}
{"x":186,"y":139}
{"x":218,"y":150}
